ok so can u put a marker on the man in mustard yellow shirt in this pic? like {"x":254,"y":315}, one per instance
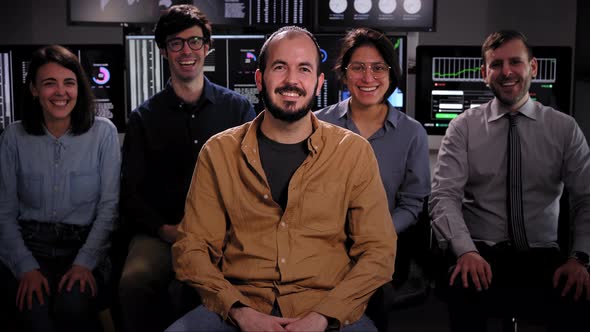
{"x":286,"y":223}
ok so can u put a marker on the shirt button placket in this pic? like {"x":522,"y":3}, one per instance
{"x":56,"y":158}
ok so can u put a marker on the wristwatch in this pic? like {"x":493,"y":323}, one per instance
{"x":581,"y":257}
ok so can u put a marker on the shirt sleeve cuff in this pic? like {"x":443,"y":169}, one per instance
{"x":223,"y":301}
{"x":462,"y":245}
{"x":85,"y":260}
{"x":581,"y":244}
{"x":29,"y":263}
{"x":337,"y":313}
{"x":402,"y":220}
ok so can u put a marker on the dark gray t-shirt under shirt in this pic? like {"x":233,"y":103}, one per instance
{"x":280,"y":161}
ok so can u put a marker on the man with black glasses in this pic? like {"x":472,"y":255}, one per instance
{"x":164,"y":136}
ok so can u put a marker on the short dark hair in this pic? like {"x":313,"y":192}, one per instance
{"x":291,"y":29}
{"x":370,"y":37}
{"x":178,"y":18}
{"x":499,"y":38}
{"x":82,"y":116}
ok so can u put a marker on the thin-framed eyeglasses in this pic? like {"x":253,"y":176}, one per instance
{"x":377,"y":69}
{"x":195,"y":43}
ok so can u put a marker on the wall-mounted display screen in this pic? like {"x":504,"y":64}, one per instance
{"x":448,"y":82}
{"x":226,"y":12}
{"x":102,"y":63}
{"x":232,"y":63}
{"x":264,"y":15}
{"x":387,"y":15}
{"x":7,"y":102}
{"x":118,"y":11}
{"x":261,"y":14}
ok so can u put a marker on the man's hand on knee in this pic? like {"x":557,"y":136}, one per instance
{"x":472,"y":265}
{"x":576,"y":278}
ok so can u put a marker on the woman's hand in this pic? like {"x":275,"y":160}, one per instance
{"x":81,"y":274}
{"x":31,"y":282}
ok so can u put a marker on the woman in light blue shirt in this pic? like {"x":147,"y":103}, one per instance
{"x":59,"y":191}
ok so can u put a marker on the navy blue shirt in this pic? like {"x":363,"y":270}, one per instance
{"x":163,"y":139}
{"x":401,"y":148}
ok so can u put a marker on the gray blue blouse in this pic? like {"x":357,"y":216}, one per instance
{"x":401,"y":148}
{"x":70,"y":179}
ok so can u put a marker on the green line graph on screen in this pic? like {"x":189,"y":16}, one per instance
{"x":467,"y":69}
{"x":458,"y":69}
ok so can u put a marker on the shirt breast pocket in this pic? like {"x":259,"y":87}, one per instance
{"x":324,"y":207}
{"x":30,"y":189}
{"x":84,"y":187}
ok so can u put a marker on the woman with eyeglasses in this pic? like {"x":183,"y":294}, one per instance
{"x":368,"y":66}
{"x":59,"y":191}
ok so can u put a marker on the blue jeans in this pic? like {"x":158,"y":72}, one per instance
{"x":202,"y":319}
{"x":55,"y":246}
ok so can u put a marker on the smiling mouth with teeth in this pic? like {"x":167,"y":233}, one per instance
{"x":187,"y":63}
{"x":368,"y":89}
{"x":290,"y":94}
{"x":60,"y":102}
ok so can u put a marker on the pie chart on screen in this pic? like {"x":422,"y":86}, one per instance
{"x":412,"y":6}
{"x":102,"y":77}
{"x":250,"y":57}
{"x":387,"y":6}
{"x":362,"y":6}
{"x":338,"y":6}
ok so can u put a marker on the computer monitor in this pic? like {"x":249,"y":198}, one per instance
{"x":448,"y":82}
{"x":387,"y":15}
{"x":115,"y":11}
{"x":259,"y":15}
{"x":334,"y":91}
{"x":231,"y":63}
{"x":7,"y":94}
{"x":102,"y":64}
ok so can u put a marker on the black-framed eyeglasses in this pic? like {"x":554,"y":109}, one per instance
{"x":358,"y":69}
{"x":195,"y":43}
